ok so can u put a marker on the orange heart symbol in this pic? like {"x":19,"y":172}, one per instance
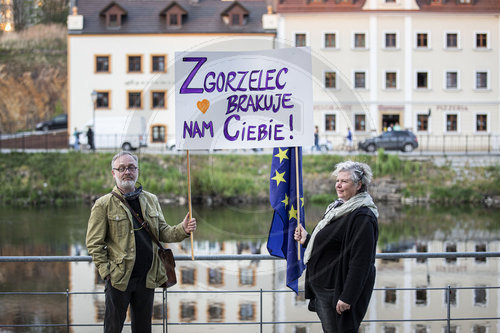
{"x":203,"y":105}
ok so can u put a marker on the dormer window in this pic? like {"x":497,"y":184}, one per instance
{"x":173,"y":19}
{"x":236,"y":19}
{"x":173,"y":14}
{"x":235,"y":15}
{"x":113,"y":20}
{"x":113,"y":14}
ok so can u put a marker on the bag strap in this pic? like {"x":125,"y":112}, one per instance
{"x":143,"y":223}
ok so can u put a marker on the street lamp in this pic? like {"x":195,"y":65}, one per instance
{"x":93,"y":95}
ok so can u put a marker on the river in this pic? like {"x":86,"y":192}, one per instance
{"x":51,"y":231}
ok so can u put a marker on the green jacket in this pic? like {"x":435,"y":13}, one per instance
{"x":111,"y":241}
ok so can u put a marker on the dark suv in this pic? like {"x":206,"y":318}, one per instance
{"x":58,"y":122}
{"x":392,"y":140}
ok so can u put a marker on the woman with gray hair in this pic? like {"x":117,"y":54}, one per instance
{"x":340,"y":253}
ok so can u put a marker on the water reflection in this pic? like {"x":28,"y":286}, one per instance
{"x":240,"y":230}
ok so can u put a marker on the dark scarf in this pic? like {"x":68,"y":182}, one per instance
{"x":133,"y":195}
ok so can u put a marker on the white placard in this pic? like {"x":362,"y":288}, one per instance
{"x":257,"y":99}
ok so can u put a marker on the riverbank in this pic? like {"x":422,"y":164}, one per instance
{"x":62,"y":178}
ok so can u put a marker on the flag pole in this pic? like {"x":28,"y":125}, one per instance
{"x":189,"y":201}
{"x":297,"y":187}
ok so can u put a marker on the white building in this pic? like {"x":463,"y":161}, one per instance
{"x":124,"y":52}
{"x":430,"y":65}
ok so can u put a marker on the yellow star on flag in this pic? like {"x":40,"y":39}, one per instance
{"x":279,"y":177}
{"x":285,"y":201}
{"x":282,"y":154}
{"x":292,"y":213}
{"x":302,"y":200}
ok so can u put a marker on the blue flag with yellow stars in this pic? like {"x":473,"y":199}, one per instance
{"x":283,"y":197}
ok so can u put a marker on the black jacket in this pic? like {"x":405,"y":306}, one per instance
{"x":350,"y":270}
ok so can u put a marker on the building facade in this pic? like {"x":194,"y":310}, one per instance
{"x":121,"y":57}
{"x":430,"y":66}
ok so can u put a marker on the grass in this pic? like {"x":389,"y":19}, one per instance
{"x":57,"y":178}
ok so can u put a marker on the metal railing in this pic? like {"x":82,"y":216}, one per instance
{"x":429,"y":143}
{"x":260,"y":292}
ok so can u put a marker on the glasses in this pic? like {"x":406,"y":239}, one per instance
{"x":130,"y":168}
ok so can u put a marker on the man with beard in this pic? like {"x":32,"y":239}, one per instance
{"x":123,"y":251}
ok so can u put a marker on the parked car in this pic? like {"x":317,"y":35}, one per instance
{"x":391,"y":140}
{"x":58,"y":122}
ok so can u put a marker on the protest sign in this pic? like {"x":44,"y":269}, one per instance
{"x":255,"y":99}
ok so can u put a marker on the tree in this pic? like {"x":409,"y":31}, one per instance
{"x":31,"y":12}
{"x":54,"y":11}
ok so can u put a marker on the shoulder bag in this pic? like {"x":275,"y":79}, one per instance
{"x":165,"y":254}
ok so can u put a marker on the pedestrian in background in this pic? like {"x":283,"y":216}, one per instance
{"x":349,"y":139}
{"x":90,"y":138}
{"x":76,"y":145}
{"x":316,"y":138}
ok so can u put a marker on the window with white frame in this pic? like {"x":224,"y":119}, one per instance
{"x":450,"y":295}
{"x":359,"y":40}
{"x":331,"y":80}
{"x":389,"y":329}
{"x":421,"y":296}
{"x":419,"y":328}
{"x":391,"y":80}
{"x":422,"y":80}
{"x":300,"y":39}
{"x":422,"y":122}
{"x":300,"y":329}
{"x":480,"y":296}
{"x":451,"y":40}
{"x":481,"y":80}
{"x":481,"y":122}
{"x":330,"y":122}
{"x":390,"y":40}
{"x":481,"y":247}
{"x":390,"y":295}
{"x":359,"y":80}
{"x":451,"y":247}
{"x":330,"y":40}
{"x":451,"y":80}
{"x":360,"y":122}
{"x":422,"y":41}
{"x":481,"y":40}
{"x":422,"y":248}
{"x":451,"y":126}
{"x":478,"y":328}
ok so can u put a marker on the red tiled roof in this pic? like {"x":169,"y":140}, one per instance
{"x":309,"y":6}
{"x":335,"y":6}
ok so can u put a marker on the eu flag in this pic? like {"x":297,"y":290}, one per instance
{"x":283,"y":197}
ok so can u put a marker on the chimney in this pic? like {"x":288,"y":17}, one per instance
{"x":270,"y":20}
{"x":75,"y":21}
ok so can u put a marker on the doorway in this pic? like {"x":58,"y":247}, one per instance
{"x":389,"y":120}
